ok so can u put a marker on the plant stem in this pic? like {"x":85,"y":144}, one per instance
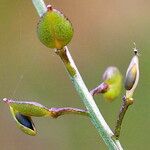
{"x":40,"y":6}
{"x":95,"y":115}
{"x":126,"y":102}
{"x":102,"y":88}
{"x":131,"y":82}
{"x":56,"y":112}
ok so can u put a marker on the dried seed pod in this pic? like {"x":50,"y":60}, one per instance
{"x":113,"y":78}
{"x":54,"y":29}
{"x":28,"y":108}
{"x":25,"y":123}
{"x":132,"y":75}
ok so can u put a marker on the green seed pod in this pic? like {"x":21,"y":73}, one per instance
{"x":25,"y":123}
{"x":28,"y":108}
{"x":113,"y":78}
{"x":54,"y":29}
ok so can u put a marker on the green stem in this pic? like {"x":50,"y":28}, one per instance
{"x":95,"y":115}
{"x":40,"y":6}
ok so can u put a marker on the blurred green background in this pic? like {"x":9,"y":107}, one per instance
{"x":104,"y":34}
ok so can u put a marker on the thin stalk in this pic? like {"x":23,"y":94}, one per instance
{"x":56,"y":112}
{"x":126,"y":102}
{"x":95,"y":115}
{"x":102,"y":88}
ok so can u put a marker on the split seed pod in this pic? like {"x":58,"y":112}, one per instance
{"x":25,"y":123}
{"x":22,"y":112}
{"x":54,"y":29}
{"x":28,"y":108}
{"x":113,"y":78}
{"x":132,"y":76}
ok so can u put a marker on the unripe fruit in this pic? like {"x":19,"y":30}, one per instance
{"x":113,"y":78}
{"x":28,"y":108}
{"x":54,"y":29}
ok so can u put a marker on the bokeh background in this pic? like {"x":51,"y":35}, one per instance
{"x":104,"y":34}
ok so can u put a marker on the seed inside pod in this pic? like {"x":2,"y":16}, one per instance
{"x":25,"y":123}
{"x":24,"y":120}
{"x":130,"y":77}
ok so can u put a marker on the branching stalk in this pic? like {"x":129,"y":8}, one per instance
{"x":95,"y":115}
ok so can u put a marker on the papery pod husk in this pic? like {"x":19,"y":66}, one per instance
{"x":29,"y":108}
{"x":113,"y":78}
{"x":130,"y":77}
{"x":54,"y":29}
{"x":25,"y":123}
